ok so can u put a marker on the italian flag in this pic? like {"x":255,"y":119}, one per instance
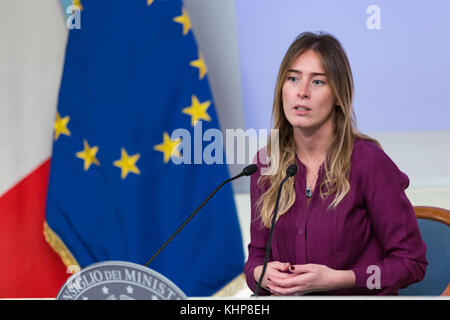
{"x":33,"y":36}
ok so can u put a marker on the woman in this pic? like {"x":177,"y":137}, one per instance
{"x":344,"y":224}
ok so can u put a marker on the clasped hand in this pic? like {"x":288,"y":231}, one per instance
{"x":286,"y":279}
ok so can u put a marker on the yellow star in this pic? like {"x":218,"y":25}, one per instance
{"x":197,"y":110}
{"x":127,"y":163}
{"x":88,"y":155}
{"x":149,"y":2}
{"x":184,"y":20}
{"x":60,"y":126}
{"x":168,"y":147}
{"x":200,"y":64}
{"x":77,"y":3}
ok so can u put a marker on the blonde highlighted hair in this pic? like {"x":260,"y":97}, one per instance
{"x":339,"y":149}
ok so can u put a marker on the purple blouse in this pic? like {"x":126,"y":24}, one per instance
{"x":374,"y":224}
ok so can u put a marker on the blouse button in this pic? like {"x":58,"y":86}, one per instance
{"x":300,"y":232}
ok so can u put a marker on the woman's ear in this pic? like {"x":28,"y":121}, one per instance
{"x":336,"y":103}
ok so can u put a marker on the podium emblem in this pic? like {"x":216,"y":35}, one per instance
{"x":119,"y":280}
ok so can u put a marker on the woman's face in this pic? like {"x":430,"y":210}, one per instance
{"x":307,"y":98}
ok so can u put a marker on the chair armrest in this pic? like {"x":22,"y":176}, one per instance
{"x":433,"y":213}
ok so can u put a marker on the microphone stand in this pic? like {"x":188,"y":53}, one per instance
{"x":249,"y":170}
{"x":292,"y":170}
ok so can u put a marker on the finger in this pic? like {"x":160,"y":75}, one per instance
{"x":270,"y":274}
{"x":283,"y":291}
{"x":291,"y":280}
{"x":277,"y":274}
{"x":301,"y":268}
{"x":282,"y":266}
{"x":271,"y":279}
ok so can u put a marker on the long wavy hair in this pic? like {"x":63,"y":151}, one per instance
{"x":339,"y":148}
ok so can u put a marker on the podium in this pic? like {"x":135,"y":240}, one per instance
{"x":119,"y":280}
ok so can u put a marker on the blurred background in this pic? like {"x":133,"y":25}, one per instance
{"x":398,"y":50}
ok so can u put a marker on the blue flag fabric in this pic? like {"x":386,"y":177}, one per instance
{"x":132,"y":75}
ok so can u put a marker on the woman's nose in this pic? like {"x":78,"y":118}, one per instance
{"x":303,"y":90}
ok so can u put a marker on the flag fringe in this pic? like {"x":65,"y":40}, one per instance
{"x":60,"y":248}
{"x":232,"y":287}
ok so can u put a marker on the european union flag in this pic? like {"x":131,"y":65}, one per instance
{"x":132,"y":75}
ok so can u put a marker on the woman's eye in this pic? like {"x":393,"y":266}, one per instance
{"x":292,"y":79}
{"x":318,"y":82}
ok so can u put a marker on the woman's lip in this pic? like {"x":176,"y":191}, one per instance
{"x":301,"y":112}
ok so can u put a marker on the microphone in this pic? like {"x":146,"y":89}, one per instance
{"x":290,"y":172}
{"x":247,"y":171}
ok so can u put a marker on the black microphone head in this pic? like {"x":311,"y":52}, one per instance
{"x":250,"y":169}
{"x":291,"y":170}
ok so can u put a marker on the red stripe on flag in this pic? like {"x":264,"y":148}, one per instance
{"x":29,"y":268}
